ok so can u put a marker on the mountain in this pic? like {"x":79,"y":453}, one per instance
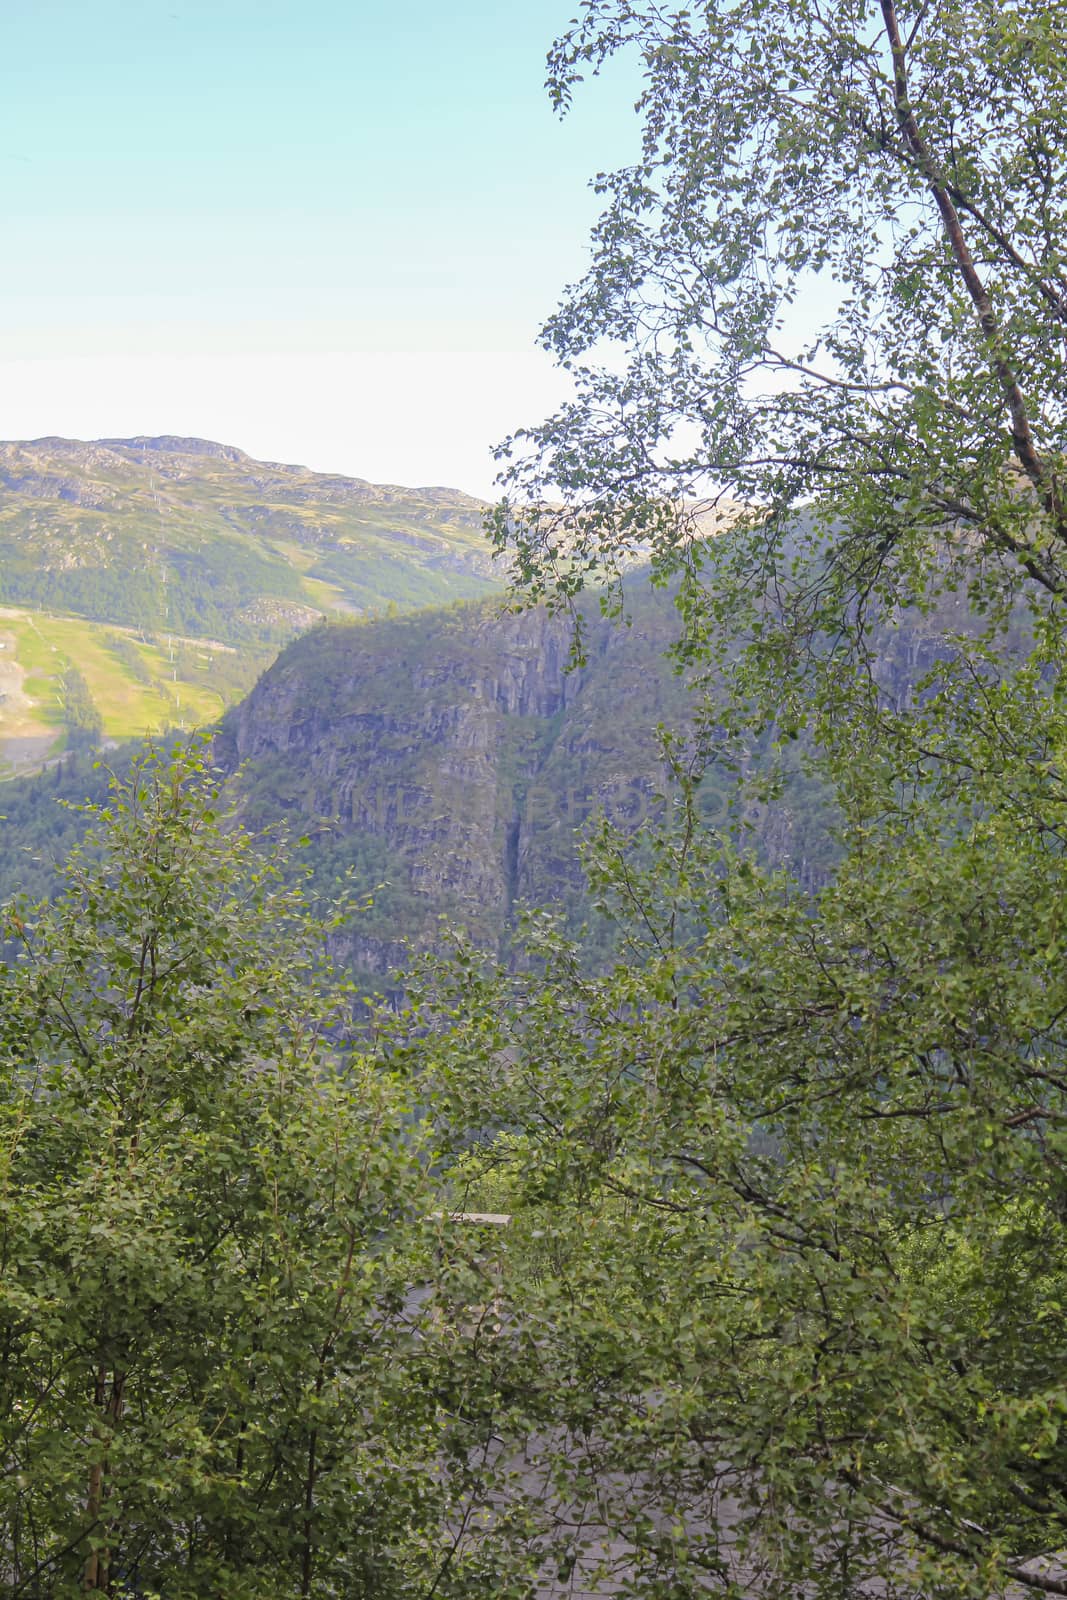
{"x":452,"y":762}
{"x":447,"y":761}
{"x":449,"y":758}
{"x":167,"y":571}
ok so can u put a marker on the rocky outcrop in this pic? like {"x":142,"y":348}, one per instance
{"x":455,"y":755}
{"x":451,"y":761}
{"x":447,"y":762}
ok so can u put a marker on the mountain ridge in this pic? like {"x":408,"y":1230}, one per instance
{"x":191,"y":444}
{"x":164,"y":537}
{"x":446,"y":763}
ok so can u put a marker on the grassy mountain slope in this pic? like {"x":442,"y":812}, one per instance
{"x":442,"y":762}
{"x":132,"y":684}
{"x":168,"y":571}
{"x":446,"y":763}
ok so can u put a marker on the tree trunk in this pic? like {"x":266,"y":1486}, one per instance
{"x":97,"y":1572}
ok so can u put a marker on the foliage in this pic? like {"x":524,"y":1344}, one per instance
{"x":80,"y":711}
{"x":791,"y":1187}
{"x":213,"y":1376}
{"x":800,"y":1154}
{"x":43,"y":818}
{"x":835,"y":277}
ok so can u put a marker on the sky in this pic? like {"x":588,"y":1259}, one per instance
{"x":326,"y":232}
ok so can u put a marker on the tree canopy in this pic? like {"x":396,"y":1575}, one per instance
{"x":836,"y":276}
{"x":790,"y":1186}
{"x":238,"y":1350}
{"x":781,"y":1308}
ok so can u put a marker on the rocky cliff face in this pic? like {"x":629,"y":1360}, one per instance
{"x":454,"y":756}
{"x":446,"y":762}
{"x":449,"y":760}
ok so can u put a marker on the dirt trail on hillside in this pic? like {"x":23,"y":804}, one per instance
{"x":24,"y":739}
{"x":15,"y":703}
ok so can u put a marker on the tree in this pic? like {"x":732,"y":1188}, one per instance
{"x":799,"y":1159}
{"x":84,"y":722}
{"x":837,"y":276}
{"x":788,"y":1210}
{"x":213,"y":1212}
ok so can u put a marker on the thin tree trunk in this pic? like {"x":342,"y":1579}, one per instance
{"x":309,"y":1502}
{"x":1043,"y":477}
{"x":97,"y":1571}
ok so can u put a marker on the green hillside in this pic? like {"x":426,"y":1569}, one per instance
{"x":444,"y":763}
{"x":66,"y":683}
{"x":167,"y":573}
{"x":447,"y":764}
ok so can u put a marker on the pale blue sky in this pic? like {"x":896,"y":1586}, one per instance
{"x":223,"y":216}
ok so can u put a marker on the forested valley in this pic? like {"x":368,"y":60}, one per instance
{"x":567,"y":1096}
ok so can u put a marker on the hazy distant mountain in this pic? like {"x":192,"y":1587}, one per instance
{"x":167,"y":571}
{"x":200,"y":538}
